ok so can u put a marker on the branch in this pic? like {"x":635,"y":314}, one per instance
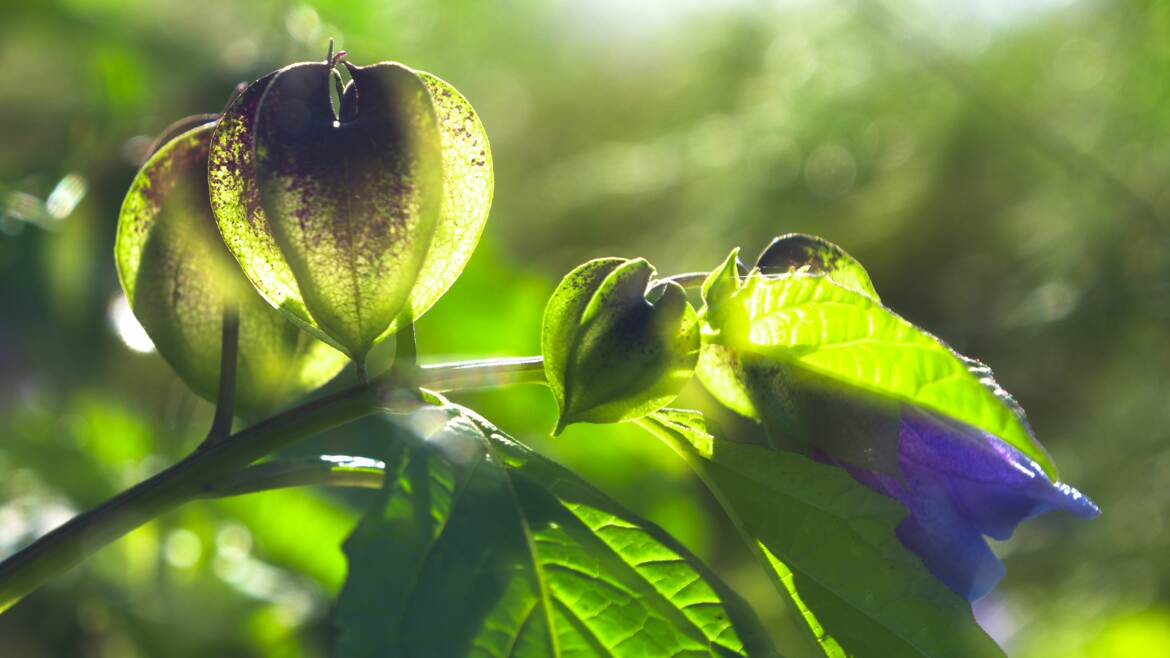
{"x":485,"y":373}
{"x":62,"y":548}
{"x":326,"y":470}
{"x":688,"y":280}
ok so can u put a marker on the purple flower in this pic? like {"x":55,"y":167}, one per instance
{"x":961,"y":483}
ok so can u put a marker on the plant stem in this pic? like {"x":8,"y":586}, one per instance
{"x":67,"y":545}
{"x":405,"y":348}
{"x":686,"y":280}
{"x":485,"y":373}
{"x":225,"y":400}
{"x":333,"y":472}
{"x":62,"y":548}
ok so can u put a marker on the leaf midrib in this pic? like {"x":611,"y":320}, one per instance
{"x":544,"y":596}
{"x":355,"y":286}
{"x":628,"y":576}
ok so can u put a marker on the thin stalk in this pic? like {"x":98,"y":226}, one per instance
{"x":67,"y":545}
{"x":405,"y":349}
{"x":225,"y":400}
{"x":62,"y":548}
{"x":484,"y":373}
{"x":686,"y":280}
{"x":356,"y":472}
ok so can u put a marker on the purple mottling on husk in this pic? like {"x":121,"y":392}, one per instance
{"x":186,"y":160}
{"x":179,"y":127}
{"x":960,"y":483}
{"x":349,"y":202}
{"x":239,"y":163}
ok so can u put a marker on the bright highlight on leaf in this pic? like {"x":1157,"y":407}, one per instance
{"x":178,"y":279}
{"x":480,"y":547}
{"x":356,"y":222}
{"x":804,"y":324}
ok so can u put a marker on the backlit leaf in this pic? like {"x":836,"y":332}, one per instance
{"x":480,"y":547}
{"x":799,"y":252}
{"x":800,"y":329}
{"x":467,"y":188}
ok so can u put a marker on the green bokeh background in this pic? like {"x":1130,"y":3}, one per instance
{"x":1000,"y":167}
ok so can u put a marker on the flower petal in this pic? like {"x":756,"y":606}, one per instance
{"x":960,"y":483}
{"x":990,"y":483}
{"x":954,"y":552}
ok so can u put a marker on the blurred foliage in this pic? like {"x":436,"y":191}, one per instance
{"x":999,"y":167}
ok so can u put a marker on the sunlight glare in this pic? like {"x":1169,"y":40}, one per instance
{"x":122,"y":319}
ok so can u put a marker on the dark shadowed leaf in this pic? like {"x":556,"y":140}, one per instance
{"x":480,"y":547}
{"x":829,"y":544}
{"x":235,"y":198}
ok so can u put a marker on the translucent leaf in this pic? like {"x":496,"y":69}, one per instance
{"x":801,"y":325}
{"x":178,"y":277}
{"x":829,"y":544}
{"x":480,"y":547}
{"x":352,"y":204}
{"x":799,"y":252}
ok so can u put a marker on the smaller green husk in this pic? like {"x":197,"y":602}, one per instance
{"x":617,"y":346}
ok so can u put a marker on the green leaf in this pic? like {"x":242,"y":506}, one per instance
{"x":799,"y":252}
{"x":829,"y":545}
{"x":480,"y":547}
{"x":723,"y":282}
{"x":356,"y":223}
{"x":802,"y":329}
{"x":178,"y":277}
{"x":614,"y":348}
